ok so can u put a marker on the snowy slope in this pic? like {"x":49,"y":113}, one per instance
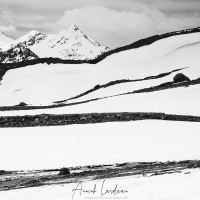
{"x":58,"y":82}
{"x":183,"y":101}
{"x":165,"y":54}
{"x":4,"y":39}
{"x":112,"y":142}
{"x":106,"y":143}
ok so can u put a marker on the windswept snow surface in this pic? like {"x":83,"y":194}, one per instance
{"x":158,"y":49}
{"x":182,"y":101}
{"x":178,"y":186}
{"x":106,"y":143}
{"x":43,"y":84}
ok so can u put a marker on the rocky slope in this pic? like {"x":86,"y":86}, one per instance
{"x":27,"y":40}
{"x":17,"y":54}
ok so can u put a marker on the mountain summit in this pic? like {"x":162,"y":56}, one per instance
{"x":70,"y":44}
{"x":17,"y":50}
{"x":27,"y":40}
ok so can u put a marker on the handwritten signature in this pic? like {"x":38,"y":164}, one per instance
{"x":93,"y":190}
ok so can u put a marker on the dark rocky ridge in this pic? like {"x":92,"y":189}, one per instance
{"x":88,"y":118}
{"x":20,"y":179}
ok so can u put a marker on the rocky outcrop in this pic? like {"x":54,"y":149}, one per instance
{"x":180,"y":78}
{"x":64,"y":171}
{"x":17,"y":54}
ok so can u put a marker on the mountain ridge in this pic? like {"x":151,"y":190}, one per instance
{"x":70,"y":43}
{"x":145,"y":42}
{"x":140,"y":43}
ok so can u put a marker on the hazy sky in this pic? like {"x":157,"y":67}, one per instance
{"x":110,"y":22}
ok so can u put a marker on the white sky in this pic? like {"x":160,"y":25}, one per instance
{"x":113,"y":22}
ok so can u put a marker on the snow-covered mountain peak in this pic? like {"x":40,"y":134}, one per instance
{"x":70,"y":44}
{"x":71,"y":33}
{"x":32,"y":33}
{"x":27,"y":40}
{"x":74,"y":34}
{"x":72,"y":28}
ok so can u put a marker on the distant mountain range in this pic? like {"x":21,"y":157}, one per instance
{"x":70,"y":44}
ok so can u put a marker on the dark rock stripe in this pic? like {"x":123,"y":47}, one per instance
{"x":163,"y":86}
{"x":97,"y":87}
{"x":88,"y":118}
{"x":37,"y":178}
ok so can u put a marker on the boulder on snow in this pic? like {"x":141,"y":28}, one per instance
{"x":180,"y":78}
{"x":22,"y":104}
{"x":97,"y":87}
{"x":64,"y":171}
{"x":3,"y":172}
